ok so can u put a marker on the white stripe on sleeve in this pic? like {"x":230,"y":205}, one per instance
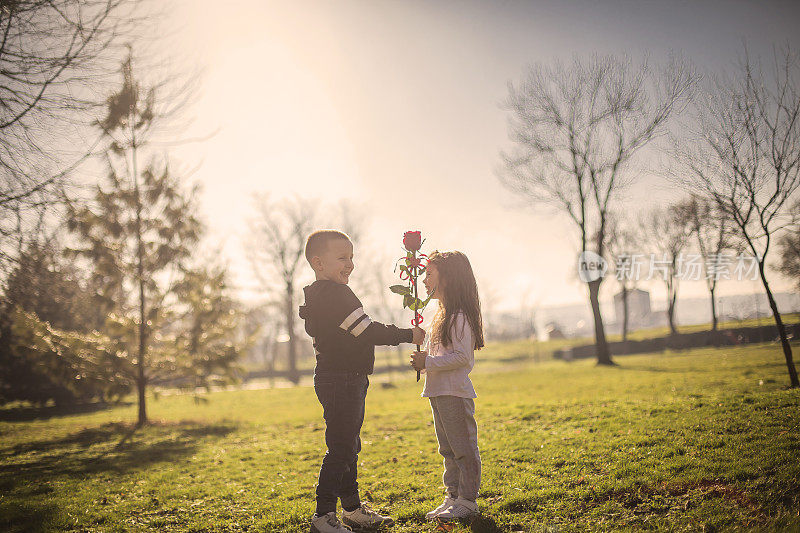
{"x":351,"y":318}
{"x":359,"y":329}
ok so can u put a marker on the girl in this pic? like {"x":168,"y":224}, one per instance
{"x":456,"y":331}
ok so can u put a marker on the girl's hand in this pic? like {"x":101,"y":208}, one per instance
{"x":418,"y":359}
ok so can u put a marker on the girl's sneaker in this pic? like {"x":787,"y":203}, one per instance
{"x":364,"y":517}
{"x":448,"y":501}
{"x":327,"y":523}
{"x":460,"y":509}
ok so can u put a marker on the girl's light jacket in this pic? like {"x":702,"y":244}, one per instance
{"x":447,"y":368}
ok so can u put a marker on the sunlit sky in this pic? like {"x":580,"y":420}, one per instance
{"x":398,"y":104}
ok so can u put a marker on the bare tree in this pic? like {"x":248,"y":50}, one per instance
{"x":746,"y":158}
{"x":624,"y":236}
{"x":714,"y":234}
{"x":276,"y":246}
{"x":669,"y":230}
{"x":54,"y":57}
{"x":575,"y":130}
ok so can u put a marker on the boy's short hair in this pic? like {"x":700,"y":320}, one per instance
{"x":318,"y":241}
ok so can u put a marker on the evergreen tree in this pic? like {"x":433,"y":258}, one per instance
{"x":51,"y":347}
{"x":142,"y":227}
{"x":56,"y":290}
{"x":208,"y":329}
{"x":39,"y":363}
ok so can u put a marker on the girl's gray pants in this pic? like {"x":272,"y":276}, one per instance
{"x":457,"y":433}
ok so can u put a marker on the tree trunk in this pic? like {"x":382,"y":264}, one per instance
{"x":293,"y":375}
{"x":671,"y":318}
{"x":601,"y":345}
{"x":787,"y":349}
{"x":624,"y":313}
{"x":713,"y":311}
{"x":672,"y":297}
{"x":141,"y":380}
{"x":273,"y":350}
{"x":715,"y":333}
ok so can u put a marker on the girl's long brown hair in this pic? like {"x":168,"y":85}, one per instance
{"x":458,"y":291}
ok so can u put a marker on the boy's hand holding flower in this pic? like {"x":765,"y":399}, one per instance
{"x":418,"y":360}
{"x":419,"y":335}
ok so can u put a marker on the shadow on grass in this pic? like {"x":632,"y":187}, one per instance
{"x":26,"y":517}
{"x":749,"y":366}
{"x":485,"y":524}
{"x":512,"y":359}
{"x":646,"y":368}
{"x":84,"y":438}
{"x":646,"y":500}
{"x":112,"y":447}
{"x":29,"y":413}
{"x":660,"y":498}
{"x":660,"y":369}
{"x":478,"y":524}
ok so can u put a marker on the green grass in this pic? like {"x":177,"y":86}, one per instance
{"x":705,"y":440}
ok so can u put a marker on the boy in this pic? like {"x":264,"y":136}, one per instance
{"x":344,"y":338}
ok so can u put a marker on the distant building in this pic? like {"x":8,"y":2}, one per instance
{"x":553,"y":331}
{"x":638,"y":307}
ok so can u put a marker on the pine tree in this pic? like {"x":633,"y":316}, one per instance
{"x":142,"y":228}
{"x":208,"y":337}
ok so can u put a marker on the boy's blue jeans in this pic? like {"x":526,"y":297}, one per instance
{"x":342,"y":395}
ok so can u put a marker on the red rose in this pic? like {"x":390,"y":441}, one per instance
{"x":412,"y":240}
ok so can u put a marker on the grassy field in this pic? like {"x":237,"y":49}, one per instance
{"x":706,"y":440}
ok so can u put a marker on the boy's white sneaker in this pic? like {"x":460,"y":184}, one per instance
{"x":327,"y":523}
{"x":461,"y":508}
{"x":448,"y":501}
{"x":365,"y":517}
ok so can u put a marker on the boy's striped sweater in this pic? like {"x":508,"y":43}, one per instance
{"x":344,"y":335}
